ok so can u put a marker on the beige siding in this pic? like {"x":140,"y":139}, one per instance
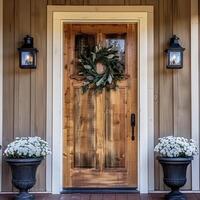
{"x":24,"y":110}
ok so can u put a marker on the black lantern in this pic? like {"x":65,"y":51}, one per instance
{"x":175,"y":54}
{"x":27,"y":54}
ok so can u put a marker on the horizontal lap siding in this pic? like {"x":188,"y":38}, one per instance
{"x":24,"y":98}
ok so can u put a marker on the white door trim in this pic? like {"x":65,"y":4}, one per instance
{"x":143,"y":16}
{"x":195,"y":89}
{"x":1,"y":84}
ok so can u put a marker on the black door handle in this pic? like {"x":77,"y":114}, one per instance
{"x":132,"y":126}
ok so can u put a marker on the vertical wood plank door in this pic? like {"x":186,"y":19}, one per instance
{"x":98,"y":150}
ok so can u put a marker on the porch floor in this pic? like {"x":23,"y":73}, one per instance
{"x":101,"y":197}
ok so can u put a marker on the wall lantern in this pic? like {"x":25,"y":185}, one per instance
{"x":27,"y":54}
{"x":175,"y":54}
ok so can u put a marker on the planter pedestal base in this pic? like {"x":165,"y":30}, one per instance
{"x":175,"y":195}
{"x":24,"y":196}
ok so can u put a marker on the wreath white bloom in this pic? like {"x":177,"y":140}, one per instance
{"x":27,"y":147}
{"x":174,"y":147}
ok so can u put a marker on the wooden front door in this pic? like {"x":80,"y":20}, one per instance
{"x":98,"y":146}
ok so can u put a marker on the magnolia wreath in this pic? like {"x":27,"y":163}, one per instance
{"x":101,"y":69}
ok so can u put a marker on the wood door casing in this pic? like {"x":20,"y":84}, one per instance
{"x":98,"y":150}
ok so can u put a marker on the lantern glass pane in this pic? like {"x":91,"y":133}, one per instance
{"x":175,"y":58}
{"x":27,"y":58}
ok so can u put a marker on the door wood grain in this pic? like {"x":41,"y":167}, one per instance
{"x":98,"y":150}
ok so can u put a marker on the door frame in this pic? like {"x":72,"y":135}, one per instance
{"x":143,"y":16}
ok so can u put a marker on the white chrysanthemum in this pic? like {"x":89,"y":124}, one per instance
{"x":176,"y":147}
{"x":27,"y":147}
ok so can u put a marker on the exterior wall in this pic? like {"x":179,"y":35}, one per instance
{"x":24,"y":92}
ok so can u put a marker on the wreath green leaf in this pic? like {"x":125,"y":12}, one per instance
{"x":108,"y":60}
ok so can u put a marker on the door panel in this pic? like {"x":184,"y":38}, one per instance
{"x":98,"y":150}
{"x":115,"y":128}
{"x":84,"y":140}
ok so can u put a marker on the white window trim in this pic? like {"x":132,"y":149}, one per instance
{"x":57,"y":15}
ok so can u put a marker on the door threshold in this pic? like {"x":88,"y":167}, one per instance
{"x":100,"y":190}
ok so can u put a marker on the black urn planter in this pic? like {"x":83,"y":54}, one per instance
{"x":175,"y":175}
{"x":24,"y":175}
